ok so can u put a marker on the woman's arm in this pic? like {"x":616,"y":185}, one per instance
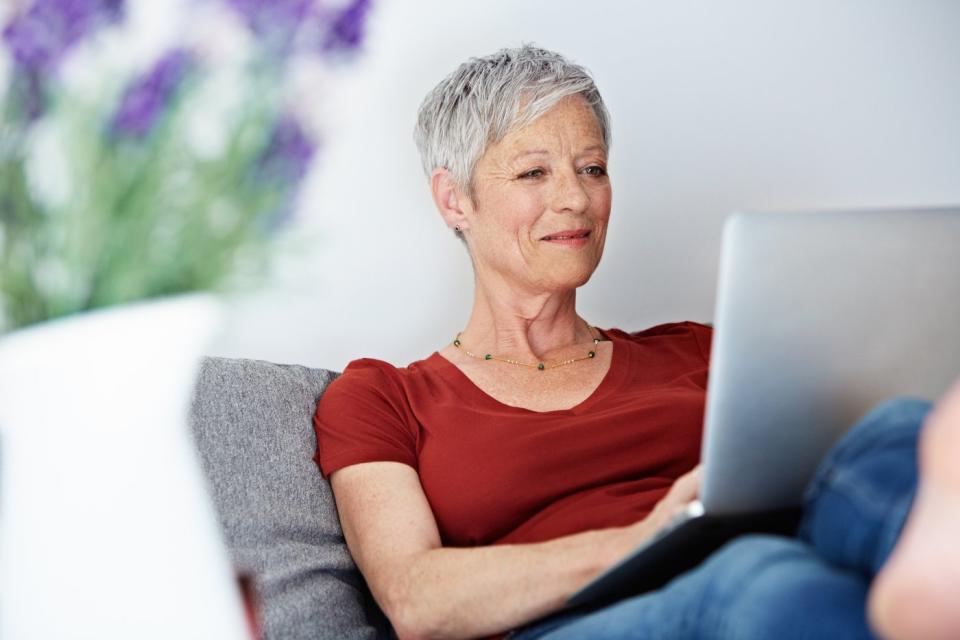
{"x":430,"y":591}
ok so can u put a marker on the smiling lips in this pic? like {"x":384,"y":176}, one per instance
{"x":573,"y":237}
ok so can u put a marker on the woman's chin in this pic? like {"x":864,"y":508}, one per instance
{"x":565,"y":281}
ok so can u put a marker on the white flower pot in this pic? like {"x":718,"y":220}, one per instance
{"x":106,"y":530}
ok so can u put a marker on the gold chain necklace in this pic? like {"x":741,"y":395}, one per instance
{"x":540,"y":366}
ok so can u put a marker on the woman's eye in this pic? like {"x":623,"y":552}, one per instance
{"x":595,"y":170}
{"x":533,"y":173}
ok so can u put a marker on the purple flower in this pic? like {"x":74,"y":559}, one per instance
{"x":288,"y":153}
{"x":284,"y":163}
{"x":346,"y":28}
{"x":41,"y":36}
{"x":147,"y":99}
{"x":276,"y":21}
{"x":283,"y":24}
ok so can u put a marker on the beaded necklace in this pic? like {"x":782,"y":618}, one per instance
{"x":540,"y":366}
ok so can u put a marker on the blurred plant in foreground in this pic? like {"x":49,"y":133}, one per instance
{"x":149,"y":181}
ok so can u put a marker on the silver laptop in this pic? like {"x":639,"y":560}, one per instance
{"x":819,"y":317}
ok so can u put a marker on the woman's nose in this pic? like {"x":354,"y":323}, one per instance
{"x":569,"y":193}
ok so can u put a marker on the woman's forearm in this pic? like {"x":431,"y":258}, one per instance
{"x":469,"y":592}
{"x":428,"y":590}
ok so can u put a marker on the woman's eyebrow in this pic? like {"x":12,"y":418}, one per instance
{"x":533,"y":152}
{"x":592,"y":149}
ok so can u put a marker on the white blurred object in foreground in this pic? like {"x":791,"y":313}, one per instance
{"x":106,"y":530}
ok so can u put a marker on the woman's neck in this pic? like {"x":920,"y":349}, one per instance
{"x":523,"y":326}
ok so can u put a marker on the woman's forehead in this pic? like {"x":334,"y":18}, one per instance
{"x":571,"y":114}
{"x":571,"y":127}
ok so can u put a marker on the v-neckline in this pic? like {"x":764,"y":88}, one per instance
{"x":610,"y":381}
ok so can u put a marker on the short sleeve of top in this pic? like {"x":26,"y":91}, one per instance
{"x":500,"y":474}
{"x":363,"y":417}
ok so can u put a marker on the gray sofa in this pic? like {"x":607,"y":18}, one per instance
{"x":252,"y":422}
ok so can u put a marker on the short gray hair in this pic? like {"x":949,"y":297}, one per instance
{"x":477,"y":105}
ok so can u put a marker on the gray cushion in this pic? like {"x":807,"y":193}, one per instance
{"x":253,"y":426}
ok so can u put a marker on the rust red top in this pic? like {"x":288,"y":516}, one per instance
{"x":500,"y":474}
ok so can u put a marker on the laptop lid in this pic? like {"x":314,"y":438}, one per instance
{"x":819,"y":317}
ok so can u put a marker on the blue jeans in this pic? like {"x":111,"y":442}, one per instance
{"x":762,"y":586}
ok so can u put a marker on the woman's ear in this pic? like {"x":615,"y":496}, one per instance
{"x":451,"y":202}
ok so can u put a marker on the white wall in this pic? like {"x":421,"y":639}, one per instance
{"x":717,"y":106}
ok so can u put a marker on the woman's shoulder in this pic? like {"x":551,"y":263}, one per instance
{"x":373,"y":372}
{"x":364,"y":416}
{"x":696,"y":333}
{"x":367,"y":385}
{"x":685,"y":327}
{"x":376,"y":367}
{"x":368,"y":366}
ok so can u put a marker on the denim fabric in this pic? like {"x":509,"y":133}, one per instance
{"x":810,"y":587}
{"x":859,"y":498}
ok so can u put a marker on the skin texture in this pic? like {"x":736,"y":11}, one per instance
{"x":915,"y":596}
{"x":537,"y":181}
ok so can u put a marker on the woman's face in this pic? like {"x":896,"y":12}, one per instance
{"x":541,"y":202}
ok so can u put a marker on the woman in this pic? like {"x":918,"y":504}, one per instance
{"x":482,"y":486}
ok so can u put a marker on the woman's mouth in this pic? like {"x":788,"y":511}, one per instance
{"x":572,"y":237}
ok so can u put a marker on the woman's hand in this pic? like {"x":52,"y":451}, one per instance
{"x":685,"y":490}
